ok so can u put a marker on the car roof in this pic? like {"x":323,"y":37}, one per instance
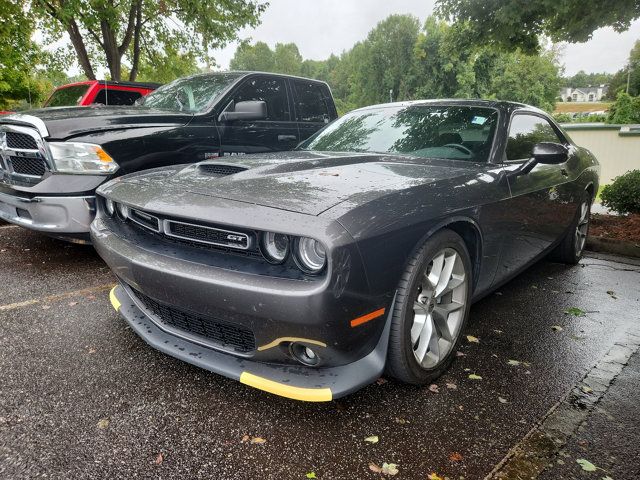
{"x":243,"y":74}
{"x":503,"y":105}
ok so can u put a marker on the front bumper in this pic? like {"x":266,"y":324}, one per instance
{"x":296,"y":382}
{"x":58,"y":216}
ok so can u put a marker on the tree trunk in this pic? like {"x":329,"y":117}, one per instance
{"x":136,"y":44}
{"x":114,"y":59}
{"x":81,"y":50}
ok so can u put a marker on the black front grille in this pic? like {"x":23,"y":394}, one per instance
{"x":238,"y":338}
{"x":150,"y":221}
{"x":197,"y":233}
{"x":28,"y":166}
{"x":220,"y":170}
{"x":21,"y":141}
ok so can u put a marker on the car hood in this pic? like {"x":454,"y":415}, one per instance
{"x":303,"y":182}
{"x":65,"y":122}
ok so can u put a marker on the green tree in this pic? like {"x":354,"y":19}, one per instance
{"x":287,"y":59}
{"x":584,"y":79}
{"x":626,"y":109}
{"x":167,"y":66}
{"x":253,"y":57}
{"x":116,"y":32}
{"x":519,"y":24}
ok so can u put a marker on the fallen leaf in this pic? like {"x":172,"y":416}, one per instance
{"x":472,"y":339}
{"x":460,"y":354}
{"x":258,"y":440}
{"x":311,"y":475}
{"x":557,"y":328}
{"x":245,"y":438}
{"x":372,"y":439}
{"x":473,"y":376}
{"x":434,"y":388}
{"x":612,"y":294}
{"x":72,"y":304}
{"x":390,"y":469}
{"x":103,"y":423}
{"x":455,"y":457}
{"x":159,"y":459}
{"x":375,"y":468}
{"x":502,"y":400}
{"x":607,"y":478}
{"x":515,"y":363}
{"x":586,"y":465}
{"x":576,"y":312}
{"x":498,"y":293}
{"x":46,"y":307}
{"x":534,"y":286}
{"x":381,"y":381}
{"x":91,"y":350}
{"x":499,"y":332}
{"x":434,"y":476}
{"x":586,"y":389}
{"x":401,"y":421}
{"x":451,"y":386}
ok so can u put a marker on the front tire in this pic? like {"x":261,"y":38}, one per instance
{"x":431,"y":310}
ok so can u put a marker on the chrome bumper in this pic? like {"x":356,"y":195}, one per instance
{"x":52,"y":215}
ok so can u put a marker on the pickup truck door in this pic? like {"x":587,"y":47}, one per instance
{"x":314,"y":106}
{"x":277,"y":132}
{"x":541,"y":206}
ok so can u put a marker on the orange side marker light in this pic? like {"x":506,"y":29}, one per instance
{"x":365,"y":318}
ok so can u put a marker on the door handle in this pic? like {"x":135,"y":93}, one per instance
{"x":286,"y":138}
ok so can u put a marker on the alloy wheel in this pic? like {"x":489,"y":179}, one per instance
{"x":582,"y":228}
{"x":438,"y":308}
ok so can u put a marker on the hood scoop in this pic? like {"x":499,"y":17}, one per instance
{"x":220,"y":169}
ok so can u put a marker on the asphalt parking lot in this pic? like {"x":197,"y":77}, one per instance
{"x":81,"y":396}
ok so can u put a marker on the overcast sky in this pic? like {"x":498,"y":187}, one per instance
{"x":323,"y":27}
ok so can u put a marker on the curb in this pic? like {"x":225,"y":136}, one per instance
{"x":617,"y":247}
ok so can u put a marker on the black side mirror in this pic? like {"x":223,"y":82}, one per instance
{"x":249,"y":110}
{"x":550,"y":153}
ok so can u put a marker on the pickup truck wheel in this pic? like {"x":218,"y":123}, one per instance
{"x":431,"y":309}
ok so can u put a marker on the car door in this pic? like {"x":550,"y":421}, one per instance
{"x":541,"y":206}
{"x":278,"y":131}
{"x":314,"y":106}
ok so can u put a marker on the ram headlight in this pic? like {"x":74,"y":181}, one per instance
{"x":82,"y":158}
{"x":310,"y":254}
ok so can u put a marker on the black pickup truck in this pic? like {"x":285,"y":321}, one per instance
{"x":52,"y":160}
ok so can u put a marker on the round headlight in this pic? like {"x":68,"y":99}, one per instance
{"x":109,"y":206}
{"x":275,"y":246}
{"x":311,"y":255}
{"x":123,"y":211}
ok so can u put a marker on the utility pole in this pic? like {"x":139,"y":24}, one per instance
{"x":628,"y":76}
{"x":391,"y":95}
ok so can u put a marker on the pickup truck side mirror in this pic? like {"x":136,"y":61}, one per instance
{"x":550,"y":153}
{"x":249,"y":110}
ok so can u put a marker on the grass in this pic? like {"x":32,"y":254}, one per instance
{"x":575,"y":107}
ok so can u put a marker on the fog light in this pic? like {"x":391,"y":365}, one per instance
{"x":304,"y":354}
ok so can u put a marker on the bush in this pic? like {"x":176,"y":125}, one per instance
{"x":623,"y":195}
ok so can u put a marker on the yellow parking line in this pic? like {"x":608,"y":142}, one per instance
{"x":53,"y":298}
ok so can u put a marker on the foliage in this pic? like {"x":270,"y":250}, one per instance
{"x":121,"y":33}
{"x":623,"y":195}
{"x":432,"y":61}
{"x":590,"y":118}
{"x":625,"y":110}
{"x":167,"y":66}
{"x":517,"y":24}
{"x":583,"y":79}
{"x":630,"y":72}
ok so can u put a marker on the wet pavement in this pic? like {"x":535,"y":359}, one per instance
{"x":81,"y":396}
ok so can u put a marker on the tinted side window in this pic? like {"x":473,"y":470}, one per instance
{"x":272,"y":91}
{"x":116,"y":97}
{"x":310,"y":103}
{"x":525,"y":131}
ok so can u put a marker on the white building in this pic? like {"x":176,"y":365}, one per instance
{"x":583,"y":94}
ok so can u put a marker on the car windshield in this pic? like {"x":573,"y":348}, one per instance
{"x":191,"y":94}
{"x":67,"y":96}
{"x":453,"y":132}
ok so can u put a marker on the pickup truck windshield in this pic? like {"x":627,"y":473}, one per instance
{"x":454,"y":132}
{"x":67,"y":96}
{"x":191,"y":94}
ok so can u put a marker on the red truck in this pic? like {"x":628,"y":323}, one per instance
{"x":99,"y":91}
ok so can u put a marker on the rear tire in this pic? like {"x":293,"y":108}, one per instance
{"x":431,"y":310}
{"x":571,"y":247}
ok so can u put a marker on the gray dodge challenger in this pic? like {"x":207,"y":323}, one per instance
{"x":310,"y":273}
